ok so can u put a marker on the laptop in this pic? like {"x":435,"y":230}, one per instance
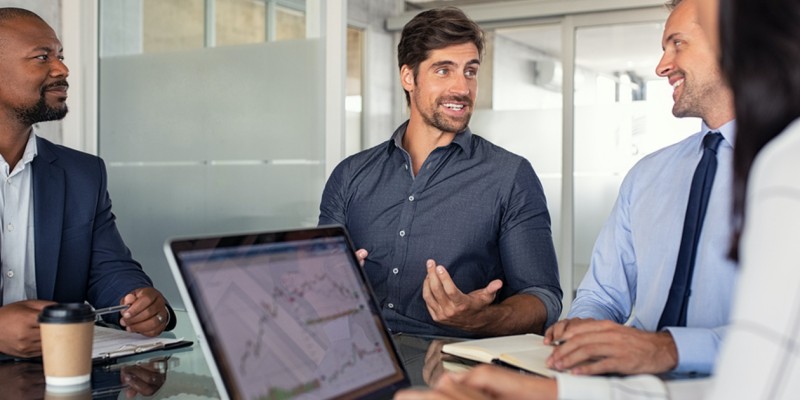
{"x":286,"y":314}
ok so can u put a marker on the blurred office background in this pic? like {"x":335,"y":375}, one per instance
{"x":228,"y":115}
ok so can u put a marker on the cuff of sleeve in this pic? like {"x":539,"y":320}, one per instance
{"x":172,"y":320}
{"x":583,"y":387}
{"x":697,"y":348}
{"x":552,"y":303}
{"x":597,"y":387}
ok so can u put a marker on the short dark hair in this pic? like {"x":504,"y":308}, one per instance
{"x":760,"y":43}
{"x":10,"y":13}
{"x":7,"y":13}
{"x":432,"y":30}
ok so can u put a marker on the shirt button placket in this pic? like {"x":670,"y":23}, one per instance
{"x":401,"y":244}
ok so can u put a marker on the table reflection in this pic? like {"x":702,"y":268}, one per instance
{"x":175,"y":375}
{"x":184,"y":373}
{"x":140,"y":378}
{"x":21,"y":381}
{"x":423,"y":358}
{"x":25,"y":380}
{"x":153,"y":377}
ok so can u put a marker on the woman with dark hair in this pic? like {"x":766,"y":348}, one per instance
{"x":760,"y":47}
{"x":760,"y":53}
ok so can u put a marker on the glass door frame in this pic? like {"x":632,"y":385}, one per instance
{"x":570,"y":26}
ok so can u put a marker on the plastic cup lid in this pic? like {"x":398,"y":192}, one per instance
{"x":66,"y":313}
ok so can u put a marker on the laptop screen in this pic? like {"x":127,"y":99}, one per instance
{"x":288,"y":315}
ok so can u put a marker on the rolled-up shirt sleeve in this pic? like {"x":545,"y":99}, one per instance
{"x":526,"y":244}
{"x":605,"y":292}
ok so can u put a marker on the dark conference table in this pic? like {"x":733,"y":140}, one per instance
{"x":181,"y":373}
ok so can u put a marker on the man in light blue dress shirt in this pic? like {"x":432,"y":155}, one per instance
{"x":634,"y":258}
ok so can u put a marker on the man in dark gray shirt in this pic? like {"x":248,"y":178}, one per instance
{"x":457,"y":229}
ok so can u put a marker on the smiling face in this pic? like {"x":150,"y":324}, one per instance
{"x":690,"y":63}
{"x":33,"y":85}
{"x":445,"y":87}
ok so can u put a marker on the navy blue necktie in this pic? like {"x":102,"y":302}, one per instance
{"x":674,"y":313}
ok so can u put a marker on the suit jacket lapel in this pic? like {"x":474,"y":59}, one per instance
{"x":48,"y":205}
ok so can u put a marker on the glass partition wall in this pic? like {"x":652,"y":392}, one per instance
{"x":620,"y":112}
{"x":520,"y":103}
{"x":214,"y":124}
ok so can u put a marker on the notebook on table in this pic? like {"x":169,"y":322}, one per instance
{"x":286,"y":314}
{"x":525,"y":352}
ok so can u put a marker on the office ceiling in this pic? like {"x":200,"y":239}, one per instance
{"x":605,"y":49}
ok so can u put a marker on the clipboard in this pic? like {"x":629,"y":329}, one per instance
{"x":111,"y":344}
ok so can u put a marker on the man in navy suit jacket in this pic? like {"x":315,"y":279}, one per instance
{"x":58,"y":238}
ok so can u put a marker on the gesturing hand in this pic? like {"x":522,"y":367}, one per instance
{"x":449,"y":306}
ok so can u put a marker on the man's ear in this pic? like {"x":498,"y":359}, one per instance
{"x":407,"y":78}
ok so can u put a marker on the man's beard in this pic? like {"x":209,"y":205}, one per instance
{"x":445,"y":124}
{"x":442,"y":122}
{"x":41,"y":112}
{"x":695,"y":99}
{"x":687,"y":105}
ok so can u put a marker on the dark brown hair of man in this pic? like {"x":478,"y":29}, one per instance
{"x":432,"y":30}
